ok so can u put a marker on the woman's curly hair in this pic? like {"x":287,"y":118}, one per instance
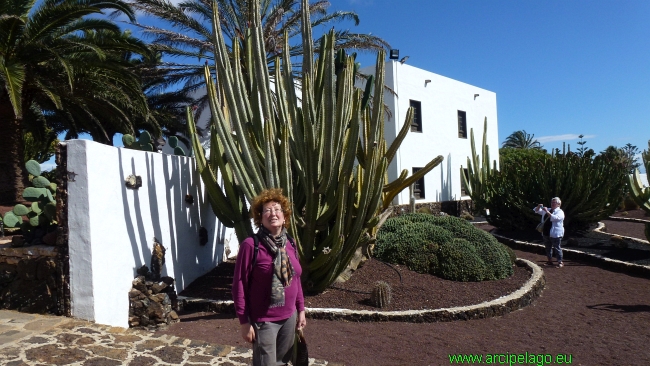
{"x":266,"y":196}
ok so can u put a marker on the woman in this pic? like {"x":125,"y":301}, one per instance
{"x":553,"y":229}
{"x":266,"y":286}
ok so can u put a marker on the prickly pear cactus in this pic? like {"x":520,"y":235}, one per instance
{"x":42,"y":212}
{"x":173,"y":143}
{"x":144,"y":143}
{"x":381,"y":294}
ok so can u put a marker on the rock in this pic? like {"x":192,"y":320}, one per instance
{"x":17,"y":241}
{"x":173,"y":315}
{"x":50,"y":238}
{"x":27,"y":269}
{"x":139,"y":284}
{"x":144,"y":320}
{"x":134,"y":321}
{"x":159,"y":298}
{"x":158,"y":287}
{"x":143,"y":271}
{"x":62,"y":237}
{"x":134,"y":293}
{"x":45,"y":269}
{"x":155,"y":311}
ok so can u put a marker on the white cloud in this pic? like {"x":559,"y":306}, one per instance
{"x":565,"y":137}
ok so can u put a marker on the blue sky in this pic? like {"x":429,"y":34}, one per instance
{"x":559,"y":68}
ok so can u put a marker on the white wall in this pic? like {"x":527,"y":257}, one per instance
{"x":441,"y":99}
{"x":112,"y":227}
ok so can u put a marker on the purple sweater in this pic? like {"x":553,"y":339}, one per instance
{"x":260,"y":287}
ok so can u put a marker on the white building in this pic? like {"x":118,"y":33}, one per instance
{"x":445,"y":111}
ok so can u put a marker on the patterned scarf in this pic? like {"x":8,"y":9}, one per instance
{"x":282,"y":269}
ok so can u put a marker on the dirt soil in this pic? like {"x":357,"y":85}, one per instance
{"x":593,"y":315}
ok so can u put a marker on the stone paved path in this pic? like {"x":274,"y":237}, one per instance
{"x":31,"y":339}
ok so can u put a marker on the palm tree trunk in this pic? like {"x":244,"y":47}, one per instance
{"x":13,"y":176}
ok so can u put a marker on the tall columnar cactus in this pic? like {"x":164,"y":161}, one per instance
{"x":639,"y":193}
{"x":42,"y":211}
{"x":478,"y":172}
{"x":325,"y":147}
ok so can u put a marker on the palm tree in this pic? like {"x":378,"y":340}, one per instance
{"x":522,"y":140}
{"x":62,"y":66}
{"x":191,"y":36}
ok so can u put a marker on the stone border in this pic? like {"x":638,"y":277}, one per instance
{"x":630,"y":219}
{"x":602,"y":227}
{"x":531,"y":290}
{"x":602,"y":261}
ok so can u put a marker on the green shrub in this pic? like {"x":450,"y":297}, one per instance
{"x":416,"y":240}
{"x":460,"y":261}
{"x":511,"y":253}
{"x":413,"y":244}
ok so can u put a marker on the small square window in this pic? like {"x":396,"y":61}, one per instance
{"x":463,"y":187}
{"x":416,"y":124}
{"x":418,"y":186}
{"x":462,"y":124}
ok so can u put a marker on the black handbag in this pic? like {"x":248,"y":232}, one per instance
{"x":300,"y":355}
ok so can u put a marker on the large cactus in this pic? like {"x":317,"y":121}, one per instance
{"x":639,"y":193}
{"x":324,"y":148}
{"x":479,"y":172}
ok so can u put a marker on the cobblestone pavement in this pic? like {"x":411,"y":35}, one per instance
{"x":31,"y":339}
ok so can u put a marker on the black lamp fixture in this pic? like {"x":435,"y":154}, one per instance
{"x":394,"y":54}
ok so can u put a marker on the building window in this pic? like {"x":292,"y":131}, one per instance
{"x":463,"y":187}
{"x":418,"y":186}
{"x":416,"y":125}
{"x":462,"y":124}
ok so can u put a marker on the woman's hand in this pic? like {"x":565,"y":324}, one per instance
{"x":247,"y":332}
{"x":302,"y":321}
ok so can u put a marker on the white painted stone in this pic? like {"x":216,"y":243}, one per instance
{"x":112,"y":227}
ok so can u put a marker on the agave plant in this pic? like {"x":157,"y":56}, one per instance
{"x":325,"y":147}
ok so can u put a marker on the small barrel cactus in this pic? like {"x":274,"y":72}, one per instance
{"x":381,"y":294}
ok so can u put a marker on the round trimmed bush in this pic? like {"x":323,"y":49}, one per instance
{"x":420,"y":241}
{"x":460,"y":261}
{"x":413,"y":244}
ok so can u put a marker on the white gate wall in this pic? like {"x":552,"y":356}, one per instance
{"x":112,"y":227}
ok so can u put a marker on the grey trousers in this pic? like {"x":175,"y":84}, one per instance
{"x":553,"y":244}
{"x":273,"y":344}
